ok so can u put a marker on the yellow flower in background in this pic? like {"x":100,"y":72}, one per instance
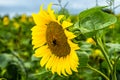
{"x":6,"y":20}
{"x":23,"y":18}
{"x":53,"y":43}
{"x":30,"y":19}
{"x":97,"y":53}
{"x":91,"y":41}
{"x":16,"y":25}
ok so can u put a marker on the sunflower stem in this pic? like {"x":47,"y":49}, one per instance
{"x":105,"y":54}
{"x":100,"y":44}
{"x":114,"y":68}
{"x":90,"y":67}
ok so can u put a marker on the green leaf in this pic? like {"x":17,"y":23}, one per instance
{"x":94,"y":19}
{"x":83,"y":58}
{"x":113,"y":47}
{"x":4,"y":59}
{"x":85,"y":47}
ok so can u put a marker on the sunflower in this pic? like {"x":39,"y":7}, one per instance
{"x":6,"y":20}
{"x":52,"y":42}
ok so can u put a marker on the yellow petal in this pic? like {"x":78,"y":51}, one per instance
{"x":41,"y":19}
{"x":73,"y":55}
{"x":64,"y":67}
{"x":73,"y":63}
{"x":44,"y":13}
{"x":51,"y":12}
{"x":66,"y":24}
{"x":67,"y":63}
{"x":38,"y":31}
{"x":60,"y":17}
{"x":45,"y":58}
{"x":41,"y":51}
{"x":39,"y":28}
{"x":38,"y":36}
{"x":59,"y":66}
{"x":41,"y":9}
{"x":54,"y":66}
{"x":69,"y":35}
{"x":37,"y":19}
{"x":37,"y":45}
{"x":74,"y":66}
{"x":50,"y":62}
{"x":49,"y":7}
{"x":73,"y":45}
{"x":37,"y":42}
{"x":46,"y":16}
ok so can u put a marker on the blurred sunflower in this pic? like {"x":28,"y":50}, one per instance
{"x":16,"y":25}
{"x":6,"y":20}
{"x":91,"y":41}
{"x":30,"y":19}
{"x":97,"y":53}
{"x":53,"y":43}
{"x":23,"y":18}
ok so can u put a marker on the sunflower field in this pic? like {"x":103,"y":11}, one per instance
{"x":57,"y":45}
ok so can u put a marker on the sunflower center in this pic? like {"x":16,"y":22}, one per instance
{"x":57,"y":40}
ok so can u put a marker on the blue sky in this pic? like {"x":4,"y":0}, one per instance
{"x":13,"y":7}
